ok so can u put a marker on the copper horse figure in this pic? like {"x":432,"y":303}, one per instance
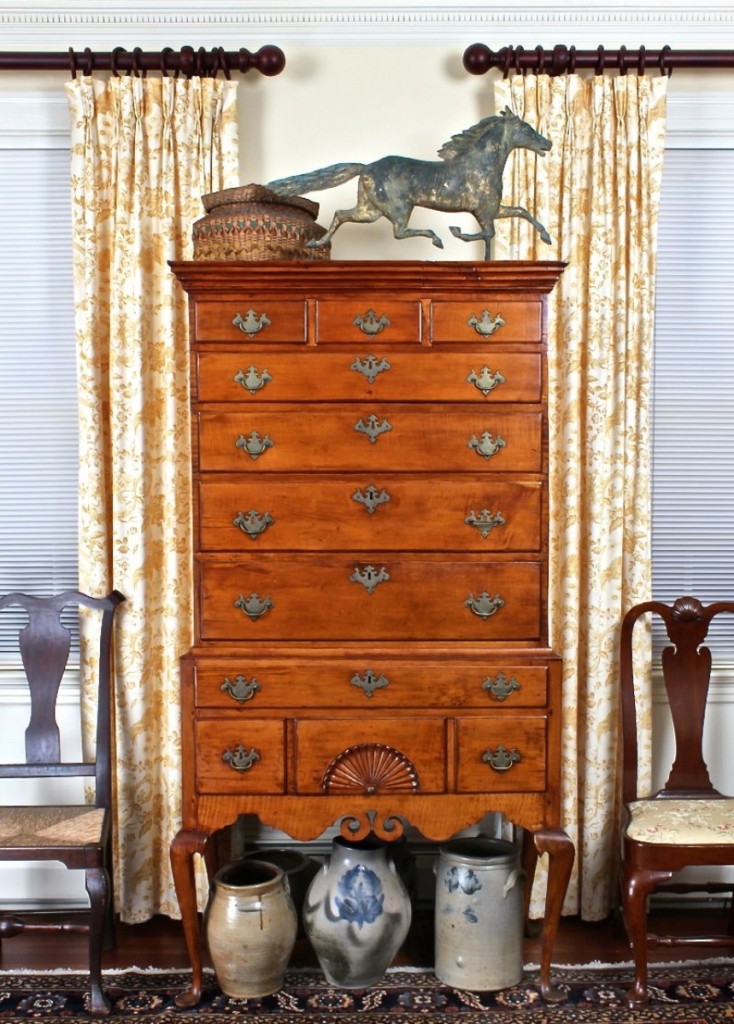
{"x":467,"y":178}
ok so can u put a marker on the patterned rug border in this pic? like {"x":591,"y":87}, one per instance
{"x":688,"y":992}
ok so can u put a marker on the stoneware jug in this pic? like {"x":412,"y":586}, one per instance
{"x":357,"y":913}
{"x":479,"y":914}
{"x":250,"y":927}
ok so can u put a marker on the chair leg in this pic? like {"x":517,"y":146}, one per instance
{"x":98,"y":888}
{"x":110,"y":935}
{"x":636,"y":887}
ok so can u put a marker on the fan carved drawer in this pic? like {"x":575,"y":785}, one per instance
{"x":373,"y":756}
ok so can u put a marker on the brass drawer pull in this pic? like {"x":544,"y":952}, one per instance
{"x":485,"y":381}
{"x":369,"y":682}
{"x":486,"y":324}
{"x":251,"y":323}
{"x":252,"y":523}
{"x":255,"y":606}
{"x":501,"y":759}
{"x":241,"y":689}
{"x":486,"y":521}
{"x":484,"y":606}
{"x":372,"y":428}
{"x":255,"y":444}
{"x":501,"y":687}
{"x":371,"y":498}
{"x":369,"y":577}
{"x":254,"y":380}
{"x":370,"y":367}
{"x":371,"y":323}
{"x":487,"y":446}
{"x":240,"y":759}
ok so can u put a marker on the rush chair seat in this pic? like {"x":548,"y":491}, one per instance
{"x":688,"y":822}
{"x":78,"y":835}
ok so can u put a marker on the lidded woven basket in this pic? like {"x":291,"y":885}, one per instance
{"x":251,"y":222}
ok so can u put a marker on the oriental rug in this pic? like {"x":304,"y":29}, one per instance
{"x":681,"y":993}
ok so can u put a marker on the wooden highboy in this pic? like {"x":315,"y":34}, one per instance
{"x":370,"y":520}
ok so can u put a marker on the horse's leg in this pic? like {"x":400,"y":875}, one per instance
{"x":365,"y":212}
{"x":399,"y":214}
{"x":357,"y":215}
{"x":485,"y":235}
{"x":520,"y":211}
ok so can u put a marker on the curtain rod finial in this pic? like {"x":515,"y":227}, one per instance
{"x":477,"y":59}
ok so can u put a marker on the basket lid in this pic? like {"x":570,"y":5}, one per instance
{"x":259,"y":194}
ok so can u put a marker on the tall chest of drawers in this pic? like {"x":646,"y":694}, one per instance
{"x":370,"y":519}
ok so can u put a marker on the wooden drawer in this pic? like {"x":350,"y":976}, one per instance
{"x":414,"y":762}
{"x":388,"y":512}
{"x":372,"y":437}
{"x":370,"y":319}
{"x":471,"y":320}
{"x":367,"y":681}
{"x":259,"y":375}
{"x":262,"y":320}
{"x":317,"y":597}
{"x":228,"y":740}
{"x":480,"y":739}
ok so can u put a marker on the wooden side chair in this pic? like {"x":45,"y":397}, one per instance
{"x":688,"y":822}
{"x":78,"y":835}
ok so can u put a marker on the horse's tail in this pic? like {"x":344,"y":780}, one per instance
{"x":314,"y":181}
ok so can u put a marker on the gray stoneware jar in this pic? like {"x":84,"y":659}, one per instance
{"x":479,"y":914}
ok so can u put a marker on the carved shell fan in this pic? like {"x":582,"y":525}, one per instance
{"x":370,"y":768}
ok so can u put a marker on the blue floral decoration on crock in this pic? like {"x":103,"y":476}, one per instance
{"x":361,"y":896}
{"x":461,"y":878}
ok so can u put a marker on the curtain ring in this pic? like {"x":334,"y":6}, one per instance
{"x":600,"y":54}
{"x":222,"y":61}
{"x":572,"y":60}
{"x":165,"y":53}
{"x":72,"y":62}
{"x":641,"y":61}
{"x":137,"y":68}
{"x":665,"y":68}
{"x":89,"y":65}
{"x":540,"y":55}
{"x":114,"y":56}
{"x":201,"y":62}
{"x":622,"y":60}
{"x":518,"y":53}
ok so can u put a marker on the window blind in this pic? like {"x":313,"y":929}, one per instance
{"x":38,"y":415}
{"x":693,"y":390}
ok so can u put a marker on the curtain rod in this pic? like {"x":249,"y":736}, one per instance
{"x":269,"y":60}
{"x":561,"y":60}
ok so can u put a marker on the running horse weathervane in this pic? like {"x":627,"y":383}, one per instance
{"x":467,"y":179}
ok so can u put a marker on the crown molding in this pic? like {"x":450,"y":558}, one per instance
{"x":582,"y":23}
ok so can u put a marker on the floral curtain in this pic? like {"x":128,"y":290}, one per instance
{"x":144,"y":150}
{"x":597,"y":191}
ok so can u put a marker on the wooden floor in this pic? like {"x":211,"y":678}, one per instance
{"x":159,"y":943}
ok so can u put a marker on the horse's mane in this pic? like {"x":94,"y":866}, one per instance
{"x":465,"y":140}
